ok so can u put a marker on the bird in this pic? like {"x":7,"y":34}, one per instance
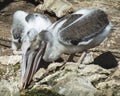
{"x":25,"y":27}
{"x":76,"y":32}
{"x":23,"y":23}
{"x":17,"y":28}
{"x":82,"y":30}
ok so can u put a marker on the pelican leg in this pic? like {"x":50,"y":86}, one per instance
{"x":70,"y":58}
{"x":80,"y":60}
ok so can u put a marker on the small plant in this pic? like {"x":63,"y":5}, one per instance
{"x":39,"y":92}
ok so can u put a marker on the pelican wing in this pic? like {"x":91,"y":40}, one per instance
{"x":82,"y":28}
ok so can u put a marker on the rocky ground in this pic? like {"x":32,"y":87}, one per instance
{"x":99,"y":75}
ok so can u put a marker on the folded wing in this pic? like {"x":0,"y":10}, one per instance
{"x":78,"y":28}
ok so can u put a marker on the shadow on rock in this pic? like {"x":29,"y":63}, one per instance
{"x":46,"y":64}
{"x":106,"y":60}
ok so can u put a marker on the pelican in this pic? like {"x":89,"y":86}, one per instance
{"x":25,"y":26}
{"x":24,"y":30}
{"x":77,"y":32}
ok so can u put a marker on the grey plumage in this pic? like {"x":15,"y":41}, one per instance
{"x":85,"y":28}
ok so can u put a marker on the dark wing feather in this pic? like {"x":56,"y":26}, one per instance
{"x":29,"y":17}
{"x":84,"y":29}
{"x":70,"y":18}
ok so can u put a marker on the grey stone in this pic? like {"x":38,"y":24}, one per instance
{"x":13,"y":59}
{"x":8,"y":88}
{"x":75,"y":86}
{"x":59,"y":7}
{"x":38,"y":74}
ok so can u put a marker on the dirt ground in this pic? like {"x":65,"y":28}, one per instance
{"x":6,"y":14}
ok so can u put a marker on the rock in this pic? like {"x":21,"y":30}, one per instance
{"x":17,"y":52}
{"x":50,"y":79}
{"x":53,"y":66}
{"x":77,"y":79}
{"x":76,"y":86}
{"x":93,"y":73}
{"x":56,"y":76}
{"x":70,"y":66}
{"x":68,"y":82}
{"x":59,"y":7}
{"x":38,"y":74}
{"x":112,"y":83}
{"x":13,"y":59}
{"x":9,"y":88}
{"x":1,"y":0}
{"x":109,"y":84}
{"x":109,"y":88}
{"x":116,"y":74}
{"x":88,"y":58}
{"x":92,"y":69}
{"x":96,"y":78}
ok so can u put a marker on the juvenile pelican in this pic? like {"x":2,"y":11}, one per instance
{"x":24,"y":30}
{"x":82,"y":30}
{"x":77,"y":32}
